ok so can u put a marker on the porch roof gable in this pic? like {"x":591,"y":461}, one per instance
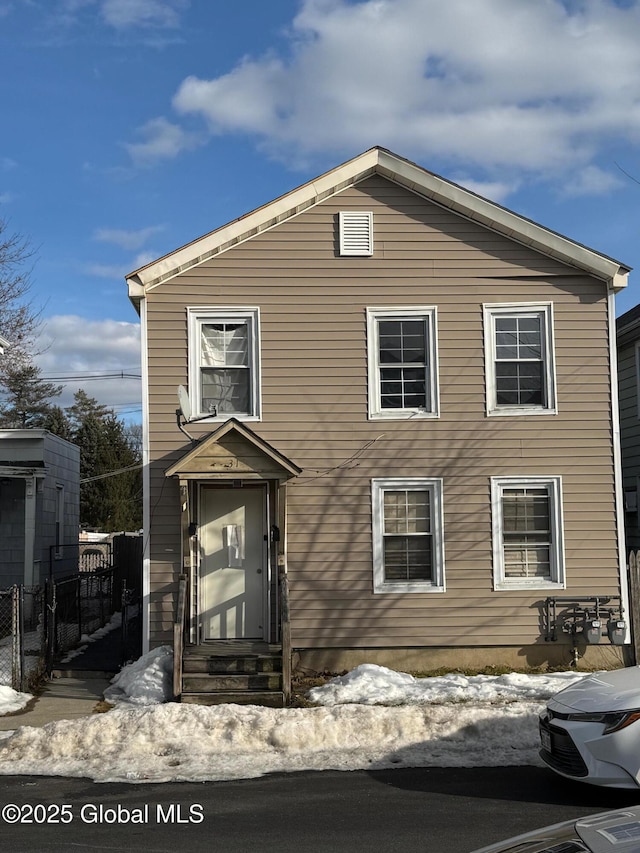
{"x":233,"y":451}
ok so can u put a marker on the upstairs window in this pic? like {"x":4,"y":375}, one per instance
{"x":223,"y":363}
{"x":356,"y":232}
{"x":519,"y":359}
{"x":402,"y":362}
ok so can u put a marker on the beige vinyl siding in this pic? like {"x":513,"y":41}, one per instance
{"x":314,"y":410}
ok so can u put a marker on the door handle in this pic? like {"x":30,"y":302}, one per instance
{"x":259,"y":571}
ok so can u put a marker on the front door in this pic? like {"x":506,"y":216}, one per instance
{"x":234,"y":563}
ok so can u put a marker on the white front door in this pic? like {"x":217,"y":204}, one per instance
{"x":234,"y":563}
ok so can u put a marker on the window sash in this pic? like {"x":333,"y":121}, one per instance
{"x":224,"y":362}
{"x":527,"y":532}
{"x":407,"y":535}
{"x":519,"y":359}
{"x":407,"y":540}
{"x":402,"y":362}
{"x":527,"y":535}
{"x":403,"y":358}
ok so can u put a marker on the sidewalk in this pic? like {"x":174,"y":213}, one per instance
{"x":61,"y":699}
{"x":75,"y":688}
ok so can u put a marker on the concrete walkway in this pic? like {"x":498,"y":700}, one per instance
{"x":75,"y":688}
{"x":61,"y":699}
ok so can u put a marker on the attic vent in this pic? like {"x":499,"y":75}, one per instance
{"x":356,"y":232}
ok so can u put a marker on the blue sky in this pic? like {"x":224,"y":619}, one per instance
{"x":131,"y":127}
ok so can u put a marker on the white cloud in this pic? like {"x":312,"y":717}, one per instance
{"x":507,"y":87}
{"x":495,"y":190}
{"x":147,"y":13}
{"x":105,"y":271}
{"x":130,"y":240}
{"x":593,"y":181}
{"x":77,"y":348}
{"x":161,"y":140}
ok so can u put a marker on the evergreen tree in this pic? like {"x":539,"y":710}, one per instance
{"x":57,"y":422}
{"x":27,"y":397}
{"x":111,"y":480}
{"x":83,"y":408}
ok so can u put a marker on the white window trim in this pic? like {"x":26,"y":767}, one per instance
{"x":490,"y":312}
{"x":553,"y":485}
{"x":378,"y":488}
{"x":195,"y":317}
{"x":426,"y":312}
{"x":359,"y":218}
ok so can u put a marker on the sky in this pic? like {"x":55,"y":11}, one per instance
{"x":131,"y":127}
{"x":371,"y":718}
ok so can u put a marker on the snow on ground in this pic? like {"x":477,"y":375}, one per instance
{"x":147,"y":681}
{"x":372,"y":718}
{"x":12,"y":701}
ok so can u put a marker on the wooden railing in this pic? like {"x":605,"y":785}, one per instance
{"x":285,"y":631}
{"x":178,"y":636}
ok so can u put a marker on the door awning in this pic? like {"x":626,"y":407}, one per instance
{"x":233,"y":451}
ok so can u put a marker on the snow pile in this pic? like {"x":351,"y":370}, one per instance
{"x":372,"y":718}
{"x":147,"y":681}
{"x":369,"y":684}
{"x":12,"y":701}
{"x":195,"y":743}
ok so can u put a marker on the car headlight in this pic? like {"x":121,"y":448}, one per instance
{"x":613,"y":721}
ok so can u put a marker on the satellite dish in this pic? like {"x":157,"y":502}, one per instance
{"x":184,"y":402}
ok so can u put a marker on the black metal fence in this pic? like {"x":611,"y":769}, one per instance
{"x":79,"y":605}
{"x":38,"y":625}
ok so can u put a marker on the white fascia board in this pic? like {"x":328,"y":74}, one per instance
{"x":500,"y":219}
{"x":258,"y":221}
{"x":403,"y":172}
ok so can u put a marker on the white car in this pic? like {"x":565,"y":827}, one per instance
{"x":591,"y":730}
{"x":607,"y":832}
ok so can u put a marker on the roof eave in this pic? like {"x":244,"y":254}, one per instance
{"x":502,"y":220}
{"x":403,"y":172}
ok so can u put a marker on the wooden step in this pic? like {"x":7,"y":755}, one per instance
{"x":220,"y":664}
{"x":269,"y":699}
{"x":200,"y":683}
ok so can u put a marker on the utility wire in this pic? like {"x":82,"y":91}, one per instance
{"x":111,"y":473}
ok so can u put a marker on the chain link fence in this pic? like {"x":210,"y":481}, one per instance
{"x":23,"y":634}
{"x":38,"y":625}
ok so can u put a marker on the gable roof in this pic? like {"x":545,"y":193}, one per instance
{"x":233,"y":451}
{"x":378,"y":161}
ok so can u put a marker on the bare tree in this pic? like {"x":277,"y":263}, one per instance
{"x":19,"y":320}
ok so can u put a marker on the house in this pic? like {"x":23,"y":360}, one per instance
{"x":396,"y":438}
{"x":39,"y":506}
{"x":628,"y":337}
